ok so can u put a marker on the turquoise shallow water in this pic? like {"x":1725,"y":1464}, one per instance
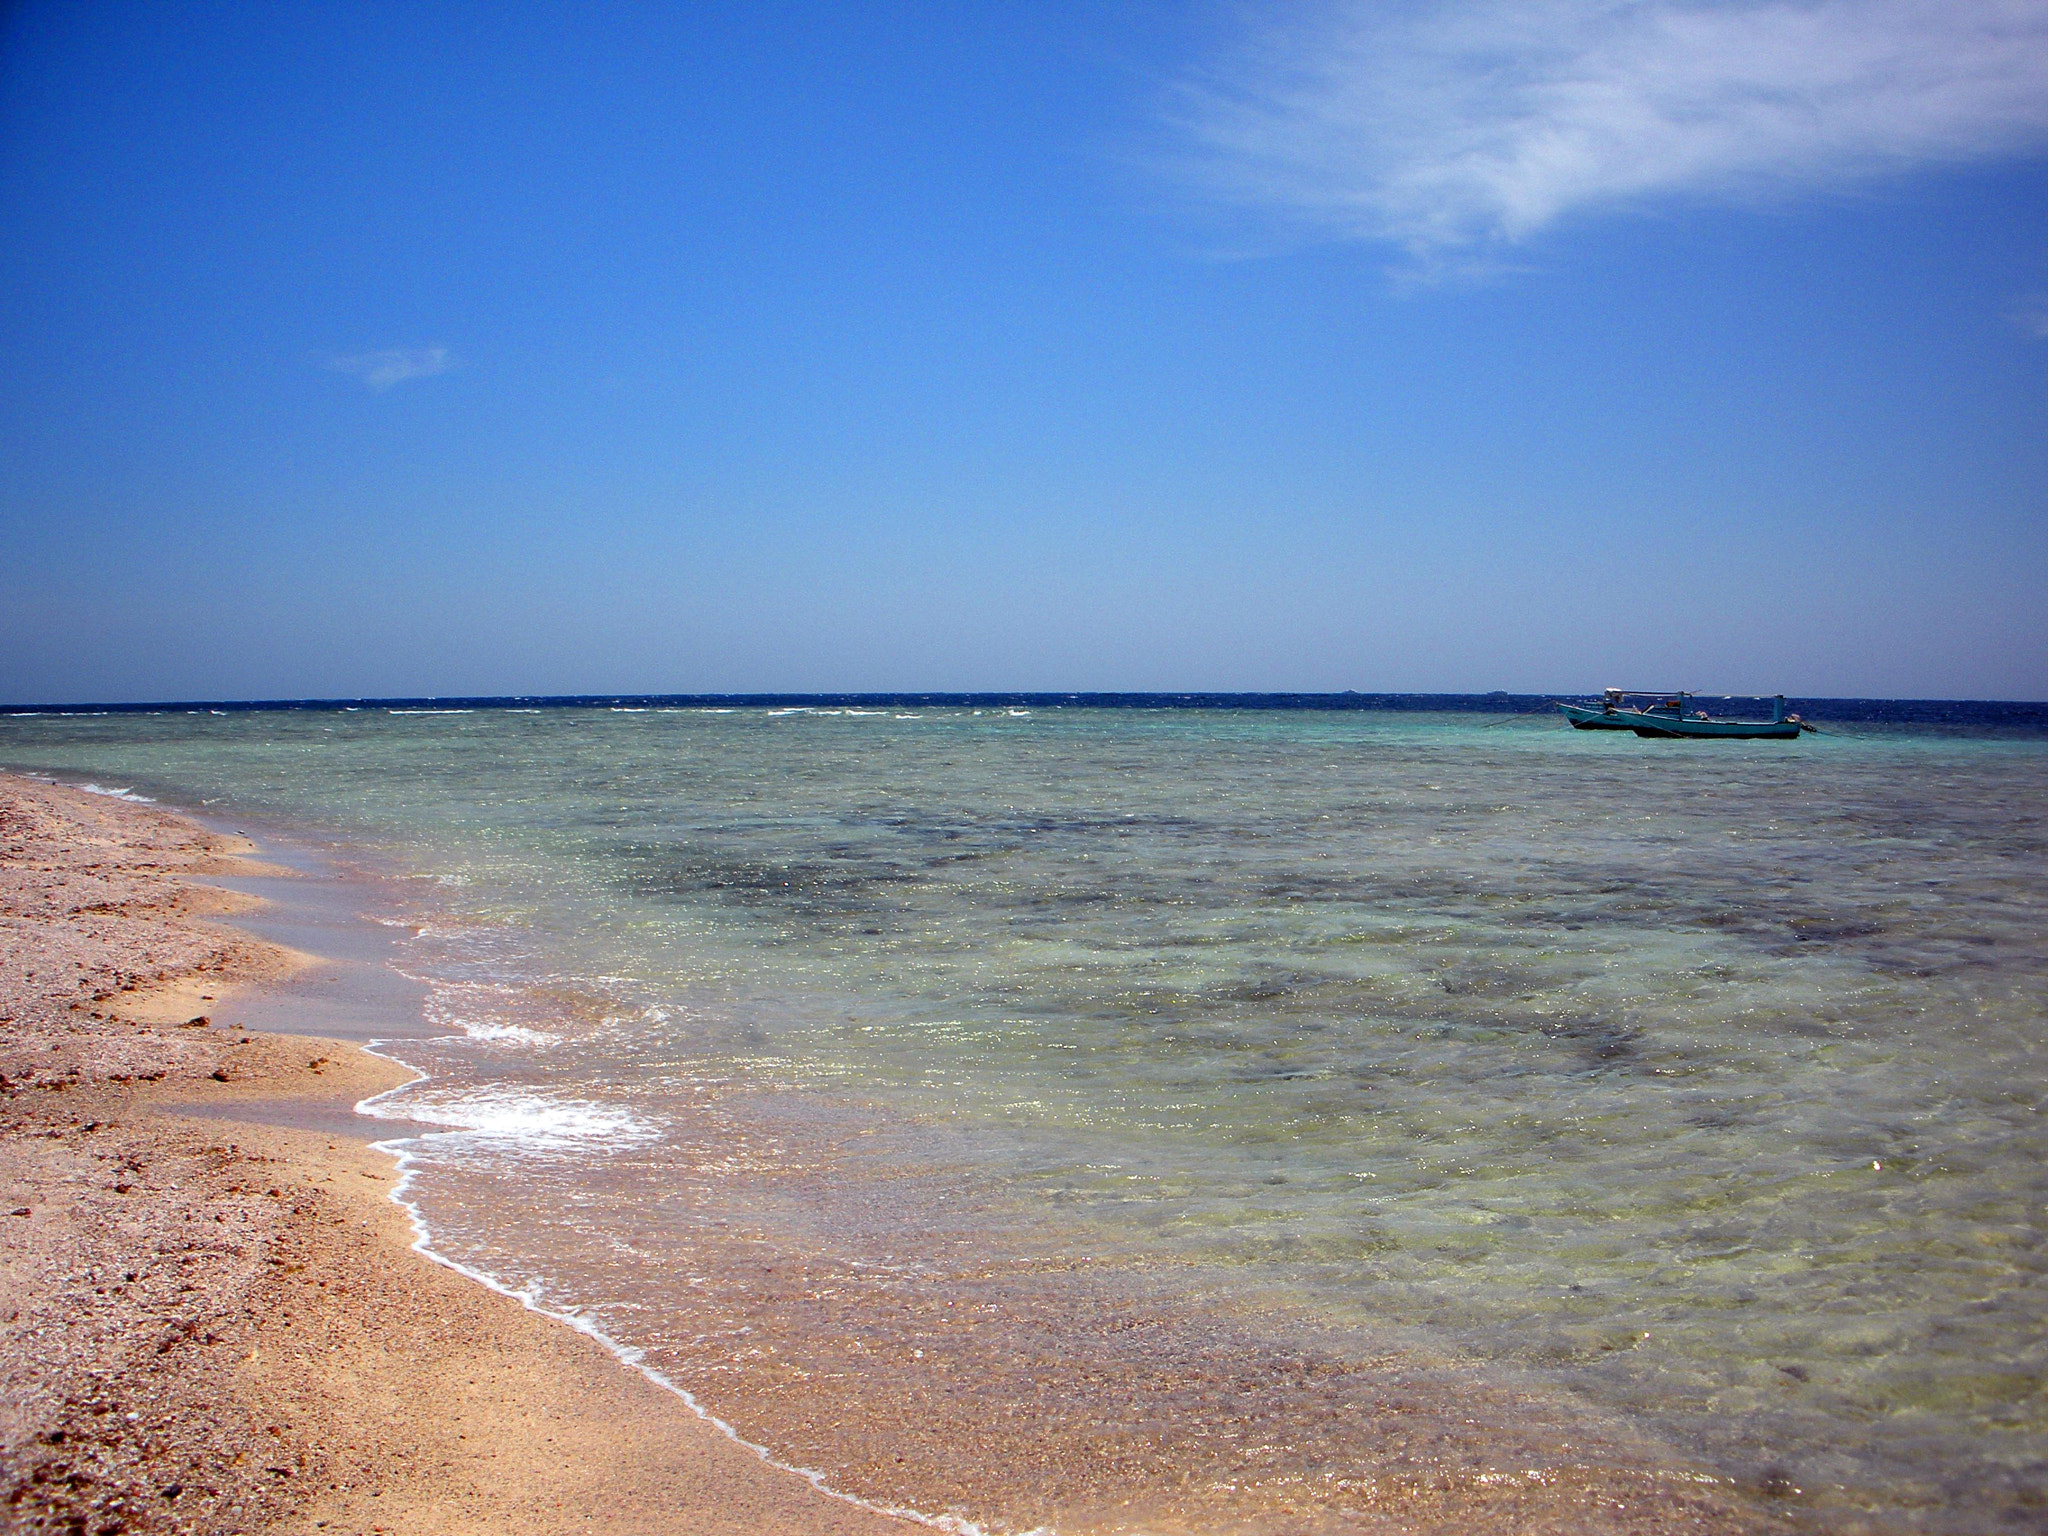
{"x":1689,"y":1091}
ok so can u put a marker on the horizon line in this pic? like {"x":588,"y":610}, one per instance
{"x":1490,"y":701}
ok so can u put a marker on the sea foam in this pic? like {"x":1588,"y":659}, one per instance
{"x":506,"y":1034}
{"x":117,"y":794}
{"x":509,"y":1119}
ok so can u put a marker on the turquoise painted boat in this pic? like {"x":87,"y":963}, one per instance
{"x":1675,"y":714}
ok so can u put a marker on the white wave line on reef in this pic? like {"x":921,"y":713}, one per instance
{"x":627,"y":1354}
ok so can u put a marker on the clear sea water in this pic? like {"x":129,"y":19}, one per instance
{"x":1176,"y":1118}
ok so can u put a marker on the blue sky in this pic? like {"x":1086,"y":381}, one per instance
{"x":412,"y":349}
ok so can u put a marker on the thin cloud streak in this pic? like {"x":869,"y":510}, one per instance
{"x":2031,"y":315}
{"x":1450,"y":128}
{"x":381,"y":370}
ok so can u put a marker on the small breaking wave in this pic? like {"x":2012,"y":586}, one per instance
{"x":507,"y":1119}
{"x":506,"y":1034}
{"x":117,"y":794}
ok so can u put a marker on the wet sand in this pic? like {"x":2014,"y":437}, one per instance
{"x":211,"y":1323}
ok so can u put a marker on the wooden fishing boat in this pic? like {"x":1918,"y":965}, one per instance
{"x":1675,"y":714}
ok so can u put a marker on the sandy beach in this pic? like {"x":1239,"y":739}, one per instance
{"x":212,"y":1324}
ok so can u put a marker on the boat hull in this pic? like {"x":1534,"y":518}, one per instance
{"x":1585,"y":719}
{"x":1667,"y":727}
{"x":1719,"y":730}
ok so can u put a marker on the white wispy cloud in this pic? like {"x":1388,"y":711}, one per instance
{"x":1444,"y":127}
{"x":2031,"y":315}
{"x":381,"y":370}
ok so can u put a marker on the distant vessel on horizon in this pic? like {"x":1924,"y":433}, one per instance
{"x":1671,"y":714}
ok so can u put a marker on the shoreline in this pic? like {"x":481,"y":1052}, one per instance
{"x":410,"y":1330}
{"x":631,"y":1357}
{"x":213,"y":1323}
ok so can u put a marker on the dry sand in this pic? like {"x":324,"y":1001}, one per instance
{"x":212,"y":1324}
